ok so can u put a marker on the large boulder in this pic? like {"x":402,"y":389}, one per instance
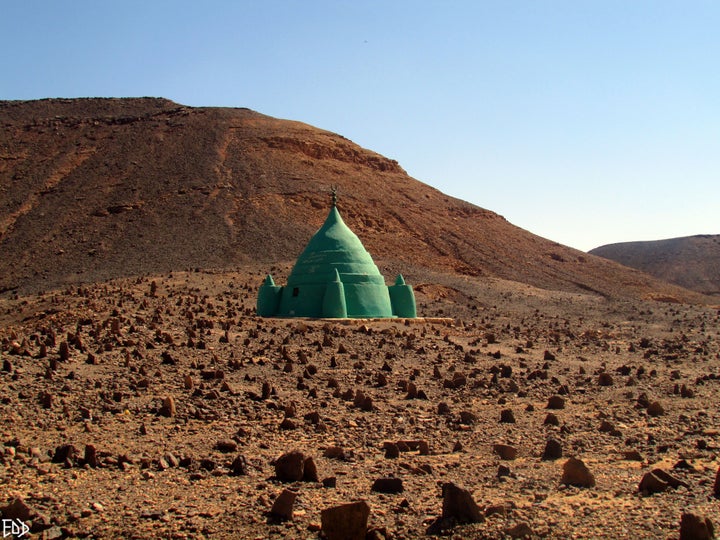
{"x":345,"y":522}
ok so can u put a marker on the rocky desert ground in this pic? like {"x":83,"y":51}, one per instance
{"x":162,"y":407}
{"x":544,"y":392}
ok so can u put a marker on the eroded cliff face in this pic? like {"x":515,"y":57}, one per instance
{"x":92,"y":189}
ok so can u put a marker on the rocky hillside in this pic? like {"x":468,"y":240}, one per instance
{"x":92,"y":189}
{"x":692,"y":262}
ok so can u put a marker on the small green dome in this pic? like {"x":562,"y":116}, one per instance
{"x":335,"y":277}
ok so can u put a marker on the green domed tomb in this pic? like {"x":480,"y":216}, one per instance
{"x":335,"y":277}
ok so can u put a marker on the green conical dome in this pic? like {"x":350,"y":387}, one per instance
{"x":335,"y":277}
{"x":333,"y":247}
{"x":334,"y":250}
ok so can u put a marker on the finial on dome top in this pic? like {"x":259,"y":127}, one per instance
{"x":333,"y":190}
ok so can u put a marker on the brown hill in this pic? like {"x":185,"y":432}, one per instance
{"x":92,"y":189}
{"x":692,"y":262}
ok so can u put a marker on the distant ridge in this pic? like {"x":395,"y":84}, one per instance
{"x":692,"y":262}
{"x":92,"y":189}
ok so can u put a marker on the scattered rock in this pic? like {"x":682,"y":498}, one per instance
{"x":655,"y":409}
{"x":239,"y":466}
{"x":54,"y":533}
{"x":18,"y":509}
{"x":207,"y":464}
{"x":685,"y":465}
{"x":46,"y":400}
{"x":686,"y":392}
{"x":226,"y":446}
{"x":555,"y":402}
{"x":520,"y":530}
{"x":345,"y":522}
{"x":225,"y":387}
{"x":310,"y":472}
{"x":329,"y":482}
{"x":576,"y":473}
{"x":694,"y":527}
{"x":288,"y":424}
{"x":90,"y":458}
{"x":65,"y":453}
{"x":290,"y":466}
{"x":632,"y":455}
{"x":423,"y":448}
{"x":507,"y":416}
{"x":505,"y":451}
{"x":282,"y":508}
{"x":361,"y":401}
{"x":651,"y":484}
{"x":391,"y":450}
{"x":664,"y":477}
{"x":168,"y":407}
{"x":388,"y":485}
{"x":168,"y":461}
{"x":553,"y":450}
{"x":502,"y":509}
{"x":459,"y":504}
{"x":111,"y":396}
{"x":334,"y":452}
{"x":64,"y":351}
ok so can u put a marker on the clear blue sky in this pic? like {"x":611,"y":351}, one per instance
{"x":584,"y":121}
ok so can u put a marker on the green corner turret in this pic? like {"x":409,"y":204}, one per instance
{"x":402,"y":298}
{"x":268,"y":298}
{"x":335,"y":277}
{"x":334,"y":305}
